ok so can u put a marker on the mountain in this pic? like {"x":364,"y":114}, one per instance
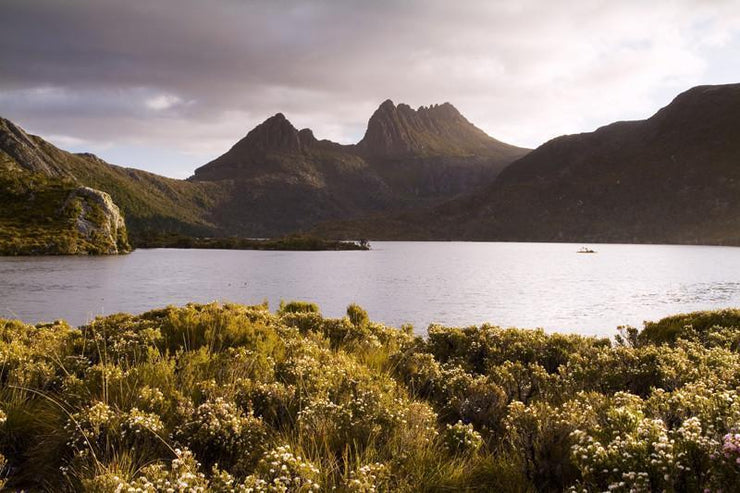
{"x":417,"y":174}
{"x":148,"y":201}
{"x":673,"y":178}
{"x":285,"y":180}
{"x":433,"y":152}
{"x":279,"y":180}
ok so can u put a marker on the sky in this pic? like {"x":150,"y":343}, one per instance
{"x":168,"y":85}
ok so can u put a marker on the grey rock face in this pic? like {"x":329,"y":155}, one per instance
{"x":20,"y":146}
{"x":99,"y":220}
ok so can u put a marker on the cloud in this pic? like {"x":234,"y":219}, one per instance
{"x":162,"y":102}
{"x":189,"y":77}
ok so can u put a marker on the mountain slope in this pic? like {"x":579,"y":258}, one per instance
{"x":673,"y":178}
{"x":285,"y":180}
{"x":44,"y":214}
{"x":147,"y":200}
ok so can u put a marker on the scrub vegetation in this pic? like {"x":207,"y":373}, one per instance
{"x":238,"y":398}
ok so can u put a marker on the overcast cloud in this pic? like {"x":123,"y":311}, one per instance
{"x":167,"y":85}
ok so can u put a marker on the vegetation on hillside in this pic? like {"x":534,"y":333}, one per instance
{"x":149,"y":201}
{"x":236,"y":398}
{"x":39,"y":216}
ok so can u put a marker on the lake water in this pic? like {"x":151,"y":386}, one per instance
{"x":454,"y":283}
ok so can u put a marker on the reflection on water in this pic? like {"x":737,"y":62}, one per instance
{"x":509,"y":284}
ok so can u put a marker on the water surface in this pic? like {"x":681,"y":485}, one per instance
{"x":455,"y":283}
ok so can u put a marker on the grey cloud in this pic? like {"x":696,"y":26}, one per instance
{"x":193,"y":74}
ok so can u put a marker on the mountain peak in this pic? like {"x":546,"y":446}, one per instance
{"x":277,"y":117}
{"x":274,"y":134}
{"x":446,"y":108}
{"x":394,"y":132}
{"x":399,"y":130}
{"x":386,"y":105}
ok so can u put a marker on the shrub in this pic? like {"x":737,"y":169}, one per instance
{"x":220,"y":433}
{"x":298,"y":307}
{"x":233,"y":398}
{"x":462,"y":439}
{"x":694,"y":325}
{"x":357,"y":315}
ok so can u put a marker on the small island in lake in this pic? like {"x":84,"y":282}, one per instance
{"x":295,"y":242}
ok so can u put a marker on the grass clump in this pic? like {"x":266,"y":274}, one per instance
{"x":236,"y":398}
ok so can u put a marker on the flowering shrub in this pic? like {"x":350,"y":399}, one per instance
{"x":632,"y":451}
{"x":181,"y":476}
{"x":281,"y":470}
{"x":220,"y":433}
{"x":369,"y":478}
{"x":462,"y":439}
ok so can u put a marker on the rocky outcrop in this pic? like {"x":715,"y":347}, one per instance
{"x":46,"y":215}
{"x":149,"y":202}
{"x":98,"y":221}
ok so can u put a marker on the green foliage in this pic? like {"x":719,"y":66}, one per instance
{"x":298,"y":307}
{"x":357,"y":315}
{"x":38,"y":216}
{"x":236,"y":398}
{"x":699,"y":326}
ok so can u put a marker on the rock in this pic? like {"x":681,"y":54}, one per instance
{"x":20,"y":146}
{"x":99,"y":221}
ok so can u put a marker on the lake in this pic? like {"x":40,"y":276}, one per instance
{"x":529,"y":285}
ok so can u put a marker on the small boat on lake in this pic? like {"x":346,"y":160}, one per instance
{"x":586,"y":250}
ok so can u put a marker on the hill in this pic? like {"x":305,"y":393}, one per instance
{"x":41,"y":214}
{"x":285,"y":180}
{"x":148,"y":201}
{"x":673,"y":178}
